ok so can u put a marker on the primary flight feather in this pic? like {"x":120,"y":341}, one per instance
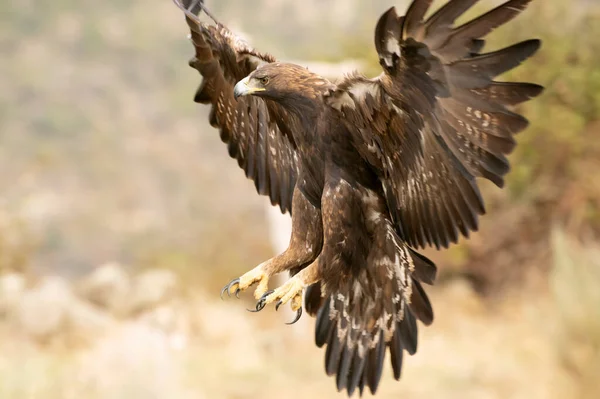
{"x":370,"y":169}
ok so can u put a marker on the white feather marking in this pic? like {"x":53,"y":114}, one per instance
{"x":374,"y":216}
{"x":308,"y":247}
{"x":392,"y":45}
{"x":398,"y":110}
{"x":372,"y":148}
{"x":341,"y":100}
{"x":333,"y":313}
{"x":370,"y":198}
{"x":357,"y":289}
{"x":361,"y":89}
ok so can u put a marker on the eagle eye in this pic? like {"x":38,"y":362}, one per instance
{"x":263,"y":80}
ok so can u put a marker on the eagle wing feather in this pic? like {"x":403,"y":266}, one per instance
{"x":258,"y":134}
{"x":435,"y":119}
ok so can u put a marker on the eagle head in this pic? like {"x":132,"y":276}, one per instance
{"x":281,"y":82}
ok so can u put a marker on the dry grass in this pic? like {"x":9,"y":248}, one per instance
{"x":220,"y":350}
{"x":575,"y":282}
{"x":535,"y":344}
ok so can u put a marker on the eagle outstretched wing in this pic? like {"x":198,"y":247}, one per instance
{"x":435,"y":119}
{"x":258,"y":134}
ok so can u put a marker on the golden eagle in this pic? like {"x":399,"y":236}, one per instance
{"x":370,"y":169}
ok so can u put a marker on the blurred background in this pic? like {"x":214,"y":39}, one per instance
{"x":121,"y":215}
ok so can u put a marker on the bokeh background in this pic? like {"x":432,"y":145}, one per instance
{"x":121,"y":215}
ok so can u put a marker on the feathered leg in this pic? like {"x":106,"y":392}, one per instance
{"x":305,"y":245}
{"x":345,"y":243}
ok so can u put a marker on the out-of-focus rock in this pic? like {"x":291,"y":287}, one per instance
{"x":42,"y":310}
{"x":460,"y":293}
{"x":50,"y":308}
{"x":172,"y":320}
{"x":150,"y":289}
{"x":233,"y":332}
{"x":87,"y":321}
{"x":165,"y":318}
{"x":108,"y":287}
{"x":221,"y":323}
{"x":147,"y":366}
{"x":12,"y":286}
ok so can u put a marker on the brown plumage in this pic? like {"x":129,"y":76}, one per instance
{"x":369,"y":168}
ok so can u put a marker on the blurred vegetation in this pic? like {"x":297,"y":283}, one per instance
{"x":575,"y":279}
{"x":553,"y":179}
{"x":17,"y":246}
{"x":103,"y":154}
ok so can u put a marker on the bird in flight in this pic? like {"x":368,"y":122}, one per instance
{"x":371,"y":170}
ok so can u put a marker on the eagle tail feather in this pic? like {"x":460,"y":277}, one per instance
{"x":373,"y":311}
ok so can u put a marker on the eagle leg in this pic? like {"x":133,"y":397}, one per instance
{"x":305,"y":245}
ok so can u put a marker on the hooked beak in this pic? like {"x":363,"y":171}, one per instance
{"x":243,"y":88}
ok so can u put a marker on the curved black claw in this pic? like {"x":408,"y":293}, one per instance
{"x":298,"y":315}
{"x":278,"y":304}
{"x":227,"y":288}
{"x":260,"y":305}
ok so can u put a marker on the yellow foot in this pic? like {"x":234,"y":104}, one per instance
{"x":290,"y":291}
{"x":256,"y":275}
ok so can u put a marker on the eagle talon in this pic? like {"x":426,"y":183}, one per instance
{"x":262,"y":302}
{"x":264,"y":296}
{"x":298,"y":315}
{"x":229,"y":286}
{"x":258,"y":275}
